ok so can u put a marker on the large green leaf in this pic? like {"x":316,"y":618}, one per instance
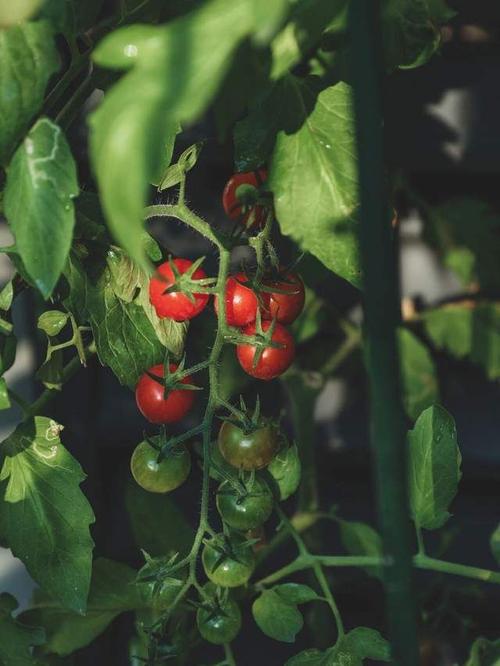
{"x":314,"y":175}
{"x":29,"y":58}
{"x":418,"y":374}
{"x":467,"y":233}
{"x":112,"y":591}
{"x":41,"y":185}
{"x":410,"y":30}
{"x":177,"y":68}
{"x":16,"y":639}
{"x":484,"y":653}
{"x":158,"y":523}
{"x":351,"y":650}
{"x":308,"y":22}
{"x":434,"y":467}
{"x":45,"y":516}
{"x":468,"y":330}
{"x":129,"y":336}
{"x":276,"y":617}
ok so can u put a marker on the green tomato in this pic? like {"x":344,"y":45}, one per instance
{"x":159,"y":477}
{"x":285,"y":468}
{"x":160,"y":597}
{"x":228,"y":561}
{"x":246,"y":509}
{"x":219,"y":621}
{"x":252,"y":450}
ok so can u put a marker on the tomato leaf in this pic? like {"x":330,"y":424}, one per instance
{"x":304,"y":30}
{"x":351,"y":650}
{"x":129,"y":336}
{"x":434,"y":467}
{"x":29,"y":58}
{"x":295,"y":593}
{"x":112,"y":591}
{"x":495,"y":544}
{"x":4,"y":395}
{"x":361,"y":539}
{"x":410,"y":30}
{"x":158,"y":523}
{"x":484,"y":653}
{"x":468,"y":330}
{"x":45,"y":516}
{"x":277,"y":618}
{"x":16,"y":639}
{"x":41,"y":185}
{"x":314,"y":175}
{"x":418,"y":374}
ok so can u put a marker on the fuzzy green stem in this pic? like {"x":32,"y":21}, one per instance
{"x":228,"y":653}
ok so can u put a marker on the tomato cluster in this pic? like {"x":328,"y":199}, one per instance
{"x":254,"y":468}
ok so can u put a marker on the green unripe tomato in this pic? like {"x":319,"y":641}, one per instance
{"x":285,"y":468}
{"x":159,"y":477}
{"x":252,"y":450}
{"x":52,"y":322}
{"x":231,"y":568}
{"x":246,"y":510}
{"x":220,"y":621}
{"x":159,"y":598}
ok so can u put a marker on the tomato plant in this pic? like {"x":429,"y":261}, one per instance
{"x":155,"y":156}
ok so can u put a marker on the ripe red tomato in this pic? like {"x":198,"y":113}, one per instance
{"x":241,"y":302}
{"x":240,"y":194}
{"x":149,"y":395}
{"x":284,"y":307}
{"x":273,"y":361}
{"x":175,"y":304}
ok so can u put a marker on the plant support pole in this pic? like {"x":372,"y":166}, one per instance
{"x":381,"y":318}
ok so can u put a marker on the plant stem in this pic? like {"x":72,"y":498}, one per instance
{"x":455,"y":569}
{"x":69,"y":370}
{"x":181,"y":212}
{"x":382,"y":316}
{"x":420,"y":541}
{"x":228,"y":652}
{"x":325,"y":588}
{"x":21,"y":402}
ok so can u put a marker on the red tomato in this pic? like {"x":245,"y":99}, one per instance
{"x":240,"y":190}
{"x":149,"y":396}
{"x":284,"y":307}
{"x":175,"y":304}
{"x":273,"y":361}
{"x":241,"y":302}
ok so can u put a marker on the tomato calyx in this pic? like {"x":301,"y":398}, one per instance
{"x":240,"y":487}
{"x":244,"y":420}
{"x":172,"y":379}
{"x":226,"y":549}
{"x":185,"y":283}
{"x":166,"y":448}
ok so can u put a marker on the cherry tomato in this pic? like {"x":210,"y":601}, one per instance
{"x":273,"y":360}
{"x":175,"y":305}
{"x":219,"y":621}
{"x":252,"y":450}
{"x":159,"y":477}
{"x":228,"y":561}
{"x":241,"y":302}
{"x":246,"y":509}
{"x":285,"y":468}
{"x":285,"y":308}
{"x":149,"y":396}
{"x":240,"y":192}
{"x":159,"y":597}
